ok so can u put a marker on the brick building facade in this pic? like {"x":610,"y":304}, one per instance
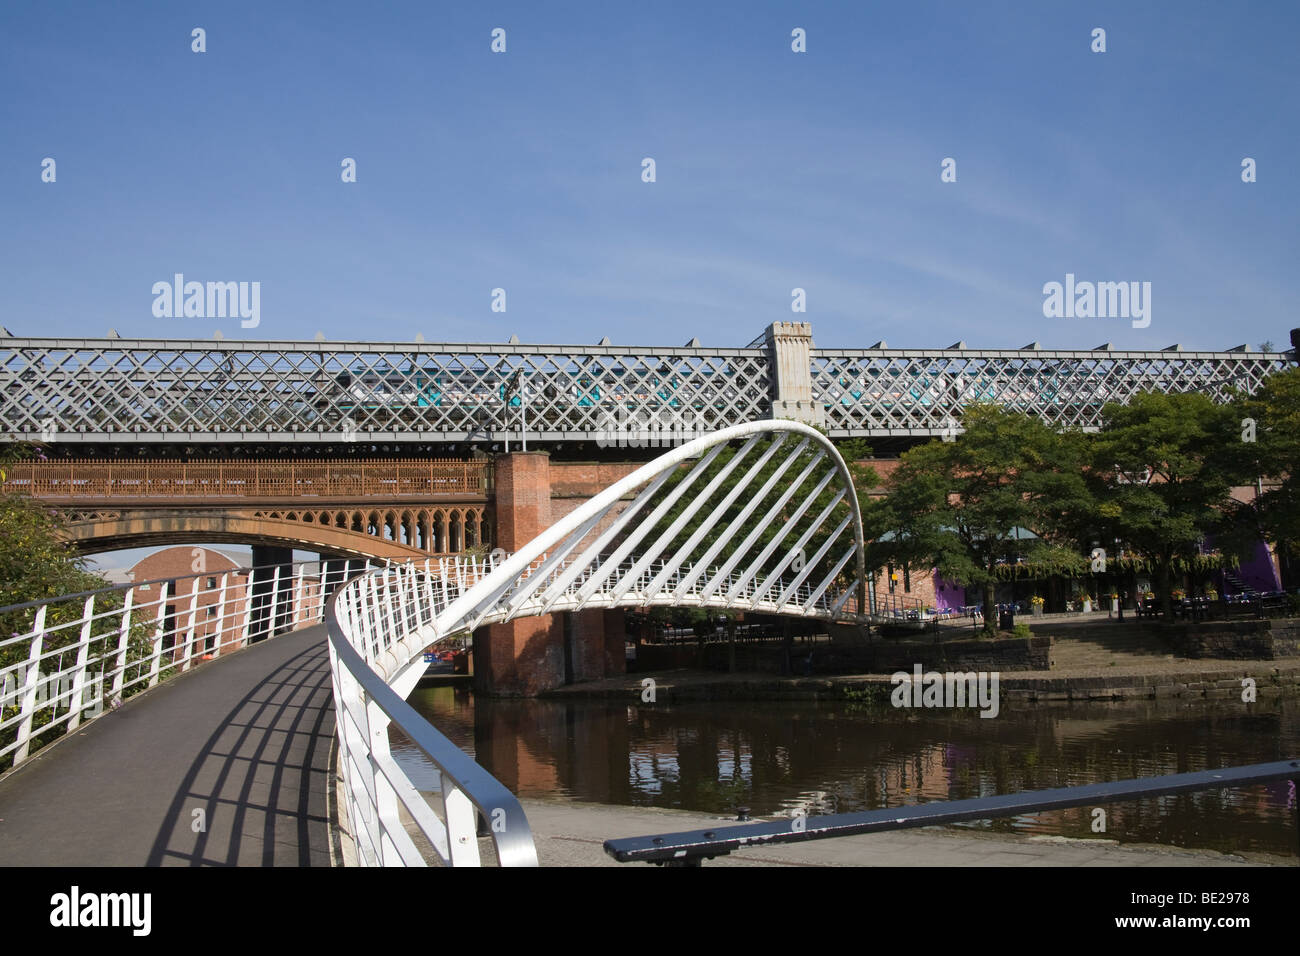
{"x":206,"y":598}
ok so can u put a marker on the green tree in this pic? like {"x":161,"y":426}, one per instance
{"x":1274,"y":454}
{"x":37,"y":561}
{"x":1163,"y":468}
{"x":38,"y":564}
{"x":957,"y":505}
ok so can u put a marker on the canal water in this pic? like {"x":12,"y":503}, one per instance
{"x":780,"y":756}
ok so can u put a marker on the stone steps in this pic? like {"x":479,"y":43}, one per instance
{"x":1103,"y":645}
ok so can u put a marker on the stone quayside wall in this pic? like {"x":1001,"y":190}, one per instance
{"x":1271,"y":682}
{"x":1016,"y":658}
{"x":1009,"y":654}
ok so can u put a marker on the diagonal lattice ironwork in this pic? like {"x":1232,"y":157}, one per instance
{"x":159,"y":391}
{"x":110,"y":389}
{"x":894,"y":392}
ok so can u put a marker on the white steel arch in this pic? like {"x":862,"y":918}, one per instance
{"x":775,"y":527}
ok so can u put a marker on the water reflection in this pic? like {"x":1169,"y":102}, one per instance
{"x":777,"y":756}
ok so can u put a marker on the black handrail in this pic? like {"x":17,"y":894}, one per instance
{"x":692,"y":847}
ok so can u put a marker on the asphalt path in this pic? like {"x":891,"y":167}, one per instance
{"x":244,"y":739}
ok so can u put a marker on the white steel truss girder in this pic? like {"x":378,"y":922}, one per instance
{"x":757,"y":564}
{"x":714,"y":516}
{"x":656,"y":550}
{"x":796,"y":551}
{"x":165,"y":391}
{"x":729,"y":532}
{"x":743,"y":550}
{"x":599,"y":577}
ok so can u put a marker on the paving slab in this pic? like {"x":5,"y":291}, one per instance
{"x":573,"y":834}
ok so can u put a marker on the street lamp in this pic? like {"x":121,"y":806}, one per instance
{"x":518,"y":384}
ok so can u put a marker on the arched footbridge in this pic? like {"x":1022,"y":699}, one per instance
{"x":759,"y":517}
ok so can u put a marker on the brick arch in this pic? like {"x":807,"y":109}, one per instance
{"x":105,"y":530}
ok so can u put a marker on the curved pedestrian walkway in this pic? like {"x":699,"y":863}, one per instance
{"x":245,"y":739}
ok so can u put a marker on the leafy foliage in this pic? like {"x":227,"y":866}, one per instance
{"x":1163,"y":468}
{"x":37,"y":562}
{"x":962,"y":506}
{"x":1275,"y":455}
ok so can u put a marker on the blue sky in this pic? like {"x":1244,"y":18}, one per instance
{"x":522,"y":170}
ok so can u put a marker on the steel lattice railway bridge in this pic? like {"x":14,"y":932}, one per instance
{"x":163,"y":392}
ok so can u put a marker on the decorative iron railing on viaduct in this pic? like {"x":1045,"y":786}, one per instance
{"x":73,"y":479}
{"x":171,"y":391}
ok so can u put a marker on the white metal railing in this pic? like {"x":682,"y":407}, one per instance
{"x":68,"y":659}
{"x":80,"y":655}
{"x":370,"y":620}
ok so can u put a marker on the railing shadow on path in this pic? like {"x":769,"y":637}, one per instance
{"x":260,"y":777}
